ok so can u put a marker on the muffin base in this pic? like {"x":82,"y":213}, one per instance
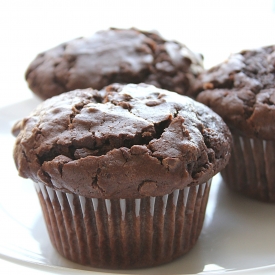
{"x":251,"y":168}
{"x":124,"y":233}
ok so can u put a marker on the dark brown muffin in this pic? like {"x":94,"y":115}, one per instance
{"x":242,"y":91}
{"x":123,"y":174}
{"x":115,"y":55}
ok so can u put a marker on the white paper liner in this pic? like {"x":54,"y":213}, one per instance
{"x":124,"y":233}
{"x":251,"y":168}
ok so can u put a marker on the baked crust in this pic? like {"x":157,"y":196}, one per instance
{"x":242,"y":91}
{"x":114,"y":55}
{"x":122,"y":142}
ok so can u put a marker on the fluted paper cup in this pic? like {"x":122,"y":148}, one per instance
{"x":251,"y":168}
{"x":124,"y":233}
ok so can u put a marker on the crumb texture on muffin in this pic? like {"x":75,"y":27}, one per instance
{"x":242,"y":91}
{"x":115,"y":55}
{"x":121,"y":142}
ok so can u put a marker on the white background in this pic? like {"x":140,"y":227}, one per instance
{"x":214,"y":28}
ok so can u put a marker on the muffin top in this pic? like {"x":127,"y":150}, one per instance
{"x":121,"y":142}
{"x":242,"y":91}
{"x":114,"y":55}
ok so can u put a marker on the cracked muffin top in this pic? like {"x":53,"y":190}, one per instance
{"x":242,"y":91}
{"x":125,"y":141}
{"x":114,"y":55}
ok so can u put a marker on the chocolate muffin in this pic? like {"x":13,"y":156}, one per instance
{"x":122,"y":174}
{"x":114,"y":55}
{"x":242,"y":91}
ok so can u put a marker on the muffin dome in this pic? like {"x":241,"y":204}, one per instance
{"x":146,"y":141}
{"x":114,"y":55}
{"x":242,"y":91}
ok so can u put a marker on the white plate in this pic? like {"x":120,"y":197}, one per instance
{"x":237,"y":237}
